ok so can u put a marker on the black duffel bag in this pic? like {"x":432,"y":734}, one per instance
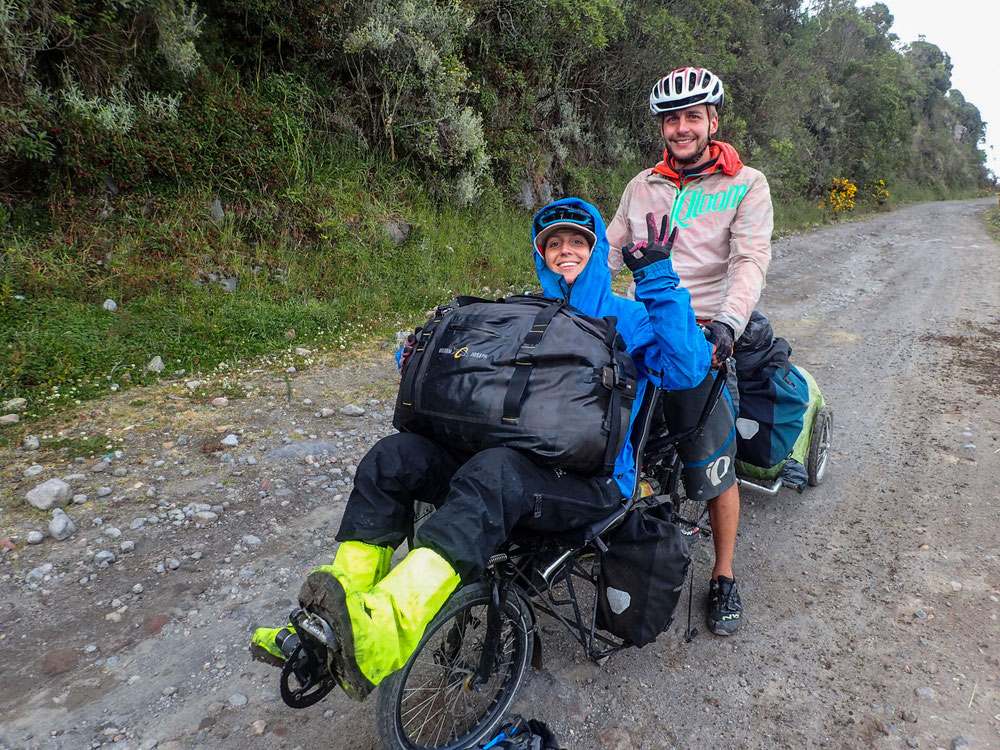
{"x":641,"y":575}
{"x":527,"y":373}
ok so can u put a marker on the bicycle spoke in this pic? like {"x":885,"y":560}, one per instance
{"x":440,"y":701}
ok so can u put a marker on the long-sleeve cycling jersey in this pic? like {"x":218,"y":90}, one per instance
{"x":723,"y":246}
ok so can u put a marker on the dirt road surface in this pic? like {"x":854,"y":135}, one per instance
{"x":872,"y":600}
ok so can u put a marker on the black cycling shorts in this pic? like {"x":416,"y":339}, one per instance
{"x":709,"y":463}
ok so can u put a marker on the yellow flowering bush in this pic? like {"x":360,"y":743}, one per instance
{"x":840,"y":197}
{"x":878,"y":192}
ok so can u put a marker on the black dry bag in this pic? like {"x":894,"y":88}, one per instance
{"x":527,"y":373}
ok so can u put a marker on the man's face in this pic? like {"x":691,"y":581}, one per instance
{"x":566,"y":252}
{"x":686,"y":133}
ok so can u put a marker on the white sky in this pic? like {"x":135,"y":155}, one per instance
{"x":968,"y":31}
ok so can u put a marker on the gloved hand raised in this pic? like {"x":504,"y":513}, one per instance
{"x":721,"y":336}
{"x":638,"y":255}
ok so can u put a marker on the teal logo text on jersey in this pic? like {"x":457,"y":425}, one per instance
{"x":693,"y":203}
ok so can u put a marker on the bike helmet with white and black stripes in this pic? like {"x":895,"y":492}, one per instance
{"x":686,"y":87}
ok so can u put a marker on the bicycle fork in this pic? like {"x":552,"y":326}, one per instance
{"x":491,"y":644}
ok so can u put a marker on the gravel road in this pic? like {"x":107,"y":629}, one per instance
{"x":872,"y":600}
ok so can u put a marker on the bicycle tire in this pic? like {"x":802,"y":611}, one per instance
{"x":819,"y":446}
{"x":449,"y":651}
{"x":692,"y":516}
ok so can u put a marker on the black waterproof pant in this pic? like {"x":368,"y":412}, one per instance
{"x":480,"y":498}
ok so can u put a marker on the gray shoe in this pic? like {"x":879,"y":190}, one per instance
{"x":725,"y":612}
{"x":323,"y":594}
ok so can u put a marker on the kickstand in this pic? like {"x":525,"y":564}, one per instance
{"x":691,"y":633}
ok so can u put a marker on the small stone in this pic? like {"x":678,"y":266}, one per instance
{"x":15,"y":404}
{"x":251,"y":461}
{"x":352,"y":410}
{"x":259,"y":726}
{"x":912,"y":742}
{"x":104,"y":558}
{"x":910,"y":717}
{"x":110,"y":305}
{"x":193,"y":384}
{"x":137,"y":523}
{"x":168,"y":691}
{"x":958,"y":742}
{"x":50,"y":494}
{"x":31,"y":443}
{"x":230,"y":441}
{"x":100,"y":466}
{"x":120,"y":471}
{"x":35,"y":537}
{"x":216,"y":212}
{"x":9,"y":419}
{"x":61,"y":527}
{"x":33,"y":471}
{"x":138,"y":588}
{"x":59,"y":661}
{"x":326,"y":412}
{"x":103,"y":491}
{"x":155,"y":364}
{"x":220,"y":401}
{"x":206,"y":516}
{"x":37,"y":575}
{"x":112,"y":532}
{"x":153,"y":624}
{"x":182,"y":440}
{"x":80,"y":499}
{"x":955,"y":586}
{"x":173,"y":563}
{"x":237,"y":700}
{"x":925,"y":692}
{"x":250,"y":540}
{"x":290,"y":334}
{"x":127,"y":546}
{"x":302,"y":352}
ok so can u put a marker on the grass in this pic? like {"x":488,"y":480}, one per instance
{"x":315,"y":259}
{"x":993,"y":221}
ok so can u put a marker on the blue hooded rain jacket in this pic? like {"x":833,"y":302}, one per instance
{"x":658,"y":326}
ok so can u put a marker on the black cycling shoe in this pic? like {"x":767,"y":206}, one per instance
{"x":725,"y":612}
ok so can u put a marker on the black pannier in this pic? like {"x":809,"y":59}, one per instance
{"x":642,"y":574}
{"x":527,"y":373}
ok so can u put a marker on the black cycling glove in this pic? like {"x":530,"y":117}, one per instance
{"x":638,"y":255}
{"x":411,"y":342}
{"x":721,"y":335}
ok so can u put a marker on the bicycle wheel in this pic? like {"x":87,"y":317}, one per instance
{"x":691,"y":515}
{"x":819,"y":446}
{"x":430,"y":702}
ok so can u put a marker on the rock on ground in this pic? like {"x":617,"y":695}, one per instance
{"x":50,"y":494}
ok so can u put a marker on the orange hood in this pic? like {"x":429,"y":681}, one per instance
{"x":722,"y":157}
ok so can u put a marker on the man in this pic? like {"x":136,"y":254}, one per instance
{"x":379,"y":615}
{"x":723,"y":209}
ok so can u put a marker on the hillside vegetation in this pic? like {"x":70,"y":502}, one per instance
{"x":228,"y":171}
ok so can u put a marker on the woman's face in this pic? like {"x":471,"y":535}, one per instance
{"x":566,"y":252}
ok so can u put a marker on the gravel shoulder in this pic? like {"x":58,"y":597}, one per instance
{"x":872,"y":600}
